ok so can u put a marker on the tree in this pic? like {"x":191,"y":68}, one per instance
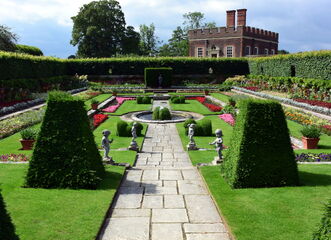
{"x":7,"y":39}
{"x":178,"y":43}
{"x":131,"y":40}
{"x":99,"y":29}
{"x":283,"y":51}
{"x":148,"y":40}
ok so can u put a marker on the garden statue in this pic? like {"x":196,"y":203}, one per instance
{"x":219,"y":145}
{"x":191,"y":145}
{"x":105,"y":143}
{"x":160,"y":80}
{"x":134,"y":145}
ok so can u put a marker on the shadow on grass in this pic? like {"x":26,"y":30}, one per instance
{"x":324,"y":146}
{"x":312,"y":179}
{"x":111,"y":180}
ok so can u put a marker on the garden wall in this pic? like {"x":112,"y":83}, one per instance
{"x":314,"y":65}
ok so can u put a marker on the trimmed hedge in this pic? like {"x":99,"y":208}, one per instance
{"x":7,"y":228}
{"x":178,"y":99}
{"x":260,"y":152}
{"x":161,"y":114}
{"x":202,"y":128}
{"x":28,"y":50}
{"x":316,"y":64}
{"x":324,"y":230}
{"x":21,"y":66}
{"x":124,"y":128}
{"x":156,"y":113}
{"x":152,"y":75}
{"x":65,"y":154}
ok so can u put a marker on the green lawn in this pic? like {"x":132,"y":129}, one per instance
{"x":221,"y":97}
{"x":192,"y":106}
{"x":273,"y":213}
{"x":100,"y":98}
{"x":131,"y":106}
{"x":201,"y":93}
{"x":53,"y":214}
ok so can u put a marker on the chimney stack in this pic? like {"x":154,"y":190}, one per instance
{"x":230,"y":18}
{"x":241,"y":17}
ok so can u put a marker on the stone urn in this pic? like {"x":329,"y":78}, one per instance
{"x":206,"y":92}
{"x":94,"y":106}
{"x":310,"y":143}
{"x":27,"y":144}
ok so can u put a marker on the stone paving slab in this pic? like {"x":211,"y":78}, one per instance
{"x":163,"y":196}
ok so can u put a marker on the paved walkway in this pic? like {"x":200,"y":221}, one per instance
{"x":163,"y":196}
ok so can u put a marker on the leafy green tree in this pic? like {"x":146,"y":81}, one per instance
{"x":283,"y":51}
{"x":131,"y":40}
{"x":99,"y":29}
{"x":178,"y":43}
{"x":7,"y":39}
{"x":148,"y":40}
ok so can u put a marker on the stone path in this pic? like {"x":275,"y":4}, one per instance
{"x":163,"y":196}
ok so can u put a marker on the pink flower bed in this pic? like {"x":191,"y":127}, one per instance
{"x":120,"y":101}
{"x":228,"y":118}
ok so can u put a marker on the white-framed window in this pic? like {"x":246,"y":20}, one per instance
{"x":200,"y":52}
{"x":266,"y":51}
{"x":229,"y":51}
{"x":273,"y":51}
{"x":256,"y":51}
{"x":247,"y":50}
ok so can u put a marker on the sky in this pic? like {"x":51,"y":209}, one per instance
{"x":303,"y":25}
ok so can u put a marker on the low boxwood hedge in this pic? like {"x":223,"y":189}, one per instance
{"x":203,"y":127}
{"x":124,"y":128}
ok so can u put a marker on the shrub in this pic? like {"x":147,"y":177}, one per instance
{"x":147,"y":100}
{"x":7,"y":229}
{"x":124,"y":129}
{"x":152,"y":75}
{"x":260,"y":152}
{"x":165,"y":114}
{"x":324,"y":230}
{"x":29,"y":134}
{"x":202,"y":127}
{"x":230,"y":110}
{"x":177,"y":99}
{"x":311,"y":131}
{"x":139,"y":100}
{"x":156,"y":113}
{"x":28,"y":50}
{"x":65,"y":154}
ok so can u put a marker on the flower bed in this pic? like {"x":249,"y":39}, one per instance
{"x":14,"y":158}
{"x":8,"y":104}
{"x":311,"y":157}
{"x":255,"y":89}
{"x":228,"y":118}
{"x":98,"y":119}
{"x":212,"y":107}
{"x":120,"y":101}
{"x":314,"y":102}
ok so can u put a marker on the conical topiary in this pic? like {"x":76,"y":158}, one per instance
{"x":260,"y":152}
{"x":65,"y":154}
{"x":7,"y":229}
{"x":324,"y":230}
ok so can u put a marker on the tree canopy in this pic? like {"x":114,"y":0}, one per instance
{"x":99,"y":29}
{"x":148,"y":40}
{"x":7,"y":39}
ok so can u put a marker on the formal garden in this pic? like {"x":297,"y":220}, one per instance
{"x":272,"y":182}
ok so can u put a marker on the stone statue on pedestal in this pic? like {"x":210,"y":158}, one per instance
{"x":134,"y":145}
{"x":105,"y":143}
{"x":191,"y":145}
{"x":219,"y":145}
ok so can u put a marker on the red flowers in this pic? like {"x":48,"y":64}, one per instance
{"x":314,"y":102}
{"x":210,"y":106}
{"x":98,"y":119}
{"x":255,"y":89}
{"x":8,"y":104}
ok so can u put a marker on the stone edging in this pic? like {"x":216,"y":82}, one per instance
{"x":135,"y":117}
{"x":314,"y":163}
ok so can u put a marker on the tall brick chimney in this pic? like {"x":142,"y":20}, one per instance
{"x":230,"y":18}
{"x":241,"y":17}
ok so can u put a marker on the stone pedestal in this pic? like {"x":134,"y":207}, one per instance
{"x":134,"y":146}
{"x":192,"y":146}
{"x":217,"y":161}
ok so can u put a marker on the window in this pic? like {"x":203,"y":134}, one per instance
{"x":273,"y":51}
{"x":229,"y":51}
{"x":256,"y":51}
{"x":200,"y":52}
{"x":266,"y":51}
{"x":247,"y":50}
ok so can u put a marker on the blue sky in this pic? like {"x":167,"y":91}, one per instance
{"x":303,"y":25}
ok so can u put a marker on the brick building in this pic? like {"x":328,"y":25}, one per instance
{"x":232,"y":40}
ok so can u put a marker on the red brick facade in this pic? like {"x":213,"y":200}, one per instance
{"x":232,"y":41}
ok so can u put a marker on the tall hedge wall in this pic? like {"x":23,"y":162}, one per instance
{"x":136,"y":66}
{"x":28,"y":50}
{"x":315,"y":65}
{"x":21,"y":66}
